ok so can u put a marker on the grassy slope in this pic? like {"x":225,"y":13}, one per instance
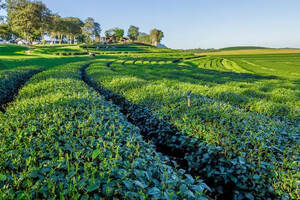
{"x":253,"y":51}
{"x":242,"y":48}
{"x":12,"y":56}
{"x":280,"y":65}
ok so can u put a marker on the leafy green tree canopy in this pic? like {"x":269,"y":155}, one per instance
{"x":133,"y":33}
{"x":91,"y":30}
{"x":73,"y":28}
{"x":27,"y":18}
{"x":144,"y":38}
{"x":119,"y":33}
{"x":156,"y":36}
{"x":5,"y":32}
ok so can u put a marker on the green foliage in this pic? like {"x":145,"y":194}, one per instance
{"x":253,"y":149}
{"x":14,"y":56}
{"x":144,"y":38}
{"x":242,"y":48}
{"x":11,"y":80}
{"x":11,"y":50}
{"x":119,"y":48}
{"x":26,"y":18}
{"x":5,"y":32}
{"x":133,"y":33}
{"x":73,"y":28}
{"x":91,"y":30}
{"x":156,"y":36}
{"x":60,"y":139}
{"x":118,"y":33}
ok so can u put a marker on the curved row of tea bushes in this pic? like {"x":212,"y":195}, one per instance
{"x":11,"y":80}
{"x":61,"y":140}
{"x":272,"y":97}
{"x":255,"y":155}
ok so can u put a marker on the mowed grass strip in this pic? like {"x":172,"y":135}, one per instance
{"x":60,"y":139}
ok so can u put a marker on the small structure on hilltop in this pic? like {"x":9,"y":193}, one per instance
{"x":125,"y":40}
{"x":110,"y":39}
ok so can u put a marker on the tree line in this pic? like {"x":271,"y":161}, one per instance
{"x":32,"y":20}
{"x":134,"y":34}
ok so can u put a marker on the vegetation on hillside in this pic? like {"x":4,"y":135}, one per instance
{"x":241,"y":128}
{"x":240,"y":134}
{"x":242,"y":48}
{"x":77,"y":145}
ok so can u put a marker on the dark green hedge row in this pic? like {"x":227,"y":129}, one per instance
{"x":71,"y":53}
{"x":11,"y":80}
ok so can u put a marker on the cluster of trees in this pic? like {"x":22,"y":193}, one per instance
{"x":153,"y":38}
{"x":135,"y":35}
{"x":31,"y":20}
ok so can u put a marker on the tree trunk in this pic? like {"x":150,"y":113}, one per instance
{"x":60,"y":38}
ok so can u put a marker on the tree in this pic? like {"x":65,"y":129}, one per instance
{"x":118,"y":33}
{"x":56,"y":28}
{"x":97,"y":32}
{"x":156,"y":36}
{"x":73,"y":28}
{"x":144,"y":38}
{"x":27,"y":18}
{"x":45,"y":19}
{"x":5,"y":32}
{"x":91,"y":30}
{"x":133,"y":33}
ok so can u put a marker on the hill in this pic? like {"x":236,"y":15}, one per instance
{"x":216,"y":124}
{"x":242,"y":48}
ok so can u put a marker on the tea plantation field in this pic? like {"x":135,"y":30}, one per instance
{"x":119,"y":125}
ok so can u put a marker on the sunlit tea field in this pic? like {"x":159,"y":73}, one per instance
{"x":139,"y":122}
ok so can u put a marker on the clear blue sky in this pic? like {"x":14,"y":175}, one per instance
{"x":197,"y":23}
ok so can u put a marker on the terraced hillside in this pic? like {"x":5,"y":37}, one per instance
{"x":119,"y":125}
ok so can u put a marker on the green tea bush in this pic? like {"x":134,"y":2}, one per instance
{"x":255,"y":155}
{"x":11,"y":80}
{"x":60,"y":139}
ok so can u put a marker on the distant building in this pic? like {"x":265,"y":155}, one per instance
{"x":110,"y":39}
{"x":125,"y":40}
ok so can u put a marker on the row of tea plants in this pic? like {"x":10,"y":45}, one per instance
{"x":61,"y":140}
{"x":12,"y":79}
{"x":257,"y":156}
